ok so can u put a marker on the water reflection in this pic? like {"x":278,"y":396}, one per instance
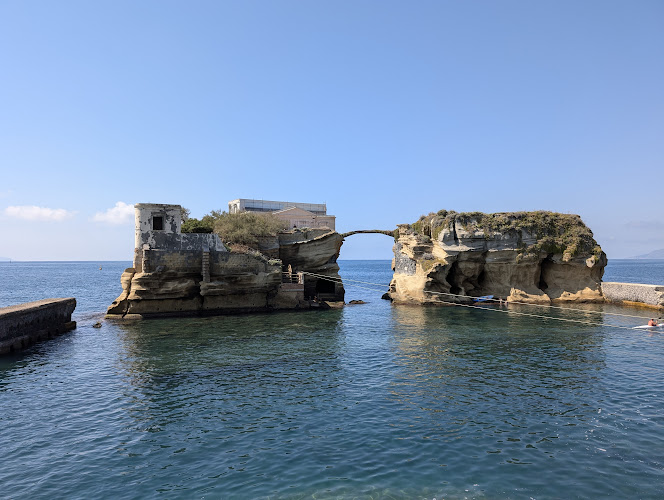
{"x":474,"y":374}
{"x":225,"y":354}
{"x":373,"y":401}
{"x":243,"y":391}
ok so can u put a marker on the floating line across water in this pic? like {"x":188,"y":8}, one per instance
{"x":335,"y":280}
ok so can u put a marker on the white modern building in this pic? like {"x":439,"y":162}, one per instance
{"x":313,"y":215}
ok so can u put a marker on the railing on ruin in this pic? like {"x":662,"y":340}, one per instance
{"x":292,"y":277}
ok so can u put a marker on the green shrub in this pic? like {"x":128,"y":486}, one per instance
{"x":245,"y":228}
{"x":205,"y":225}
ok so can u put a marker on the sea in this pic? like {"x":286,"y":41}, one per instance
{"x":374,"y":400}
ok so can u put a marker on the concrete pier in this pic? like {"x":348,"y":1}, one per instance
{"x":24,"y":324}
{"x":634,"y":294}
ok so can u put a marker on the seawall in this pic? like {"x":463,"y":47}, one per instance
{"x":634,"y":294}
{"x":24,"y":324}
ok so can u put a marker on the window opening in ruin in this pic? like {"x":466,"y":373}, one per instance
{"x":158,"y":223}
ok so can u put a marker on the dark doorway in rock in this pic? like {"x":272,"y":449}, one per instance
{"x":452,"y":277}
{"x":545,"y":266}
{"x":324,"y":287}
{"x":481,"y":280}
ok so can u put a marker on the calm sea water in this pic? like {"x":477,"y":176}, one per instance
{"x":371,"y":401}
{"x":650,"y":272}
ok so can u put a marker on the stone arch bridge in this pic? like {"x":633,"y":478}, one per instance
{"x":368,"y":231}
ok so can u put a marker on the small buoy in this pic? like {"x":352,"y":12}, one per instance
{"x":100,"y":268}
{"x":97,"y":325}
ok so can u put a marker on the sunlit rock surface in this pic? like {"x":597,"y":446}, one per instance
{"x":534,"y":257}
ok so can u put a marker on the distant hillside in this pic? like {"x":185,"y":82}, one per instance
{"x":655,"y":254}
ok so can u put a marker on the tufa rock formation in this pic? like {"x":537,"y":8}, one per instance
{"x":534,"y":257}
{"x":177,"y":273}
{"x":313,"y":251}
{"x":237,"y":283}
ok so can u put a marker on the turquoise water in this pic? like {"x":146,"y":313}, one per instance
{"x":371,"y":401}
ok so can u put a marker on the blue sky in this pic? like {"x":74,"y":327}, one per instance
{"x":383,"y":110}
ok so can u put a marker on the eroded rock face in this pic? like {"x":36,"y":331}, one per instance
{"x":534,"y":257}
{"x":315,"y":251}
{"x":238,"y":282}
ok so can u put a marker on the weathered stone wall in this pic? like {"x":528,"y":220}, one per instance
{"x":186,"y":261}
{"x":634,"y":294}
{"x":224,"y":264}
{"x":168,"y":246}
{"x":144,"y":219}
{"x":24,"y":324}
{"x":177,"y":250}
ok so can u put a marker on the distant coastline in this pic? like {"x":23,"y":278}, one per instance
{"x":654,"y":255}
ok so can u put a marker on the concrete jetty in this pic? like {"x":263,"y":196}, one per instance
{"x":634,"y":294}
{"x":24,"y":324}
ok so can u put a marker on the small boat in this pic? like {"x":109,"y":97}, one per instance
{"x":483,"y":298}
{"x":648,"y":327}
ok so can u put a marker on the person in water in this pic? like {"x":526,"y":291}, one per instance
{"x":652,"y":322}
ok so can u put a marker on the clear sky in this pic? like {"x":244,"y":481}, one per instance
{"x":384,"y":110}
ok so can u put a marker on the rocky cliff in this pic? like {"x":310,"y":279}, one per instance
{"x":238,"y":282}
{"x":175,"y":281}
{"x":535,"y":257}
{"x":314,"y":251}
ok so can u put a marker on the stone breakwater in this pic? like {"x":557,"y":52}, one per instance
{"x":634,"y":294}
{"x":24,"y":324}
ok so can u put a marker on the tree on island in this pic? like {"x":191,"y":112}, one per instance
{"x":244,"y":228}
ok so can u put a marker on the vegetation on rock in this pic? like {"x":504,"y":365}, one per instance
{"x":245,"y":228}
{"x":193,"y":225}
{"x":241,"y":229}
{"x":556,"y":233}
{"x":204,"y":225}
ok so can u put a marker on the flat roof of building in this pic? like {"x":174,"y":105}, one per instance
{"x":274,"y":205}
{"x":157,"y":205}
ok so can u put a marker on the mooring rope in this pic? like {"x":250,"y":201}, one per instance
{"x":563,"y":308}
{"x":335,"y":280}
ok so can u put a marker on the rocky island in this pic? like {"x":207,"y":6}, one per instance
{"x":534,"y":257}
{"x":176,"y":273}
{"x":444,"y":257}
